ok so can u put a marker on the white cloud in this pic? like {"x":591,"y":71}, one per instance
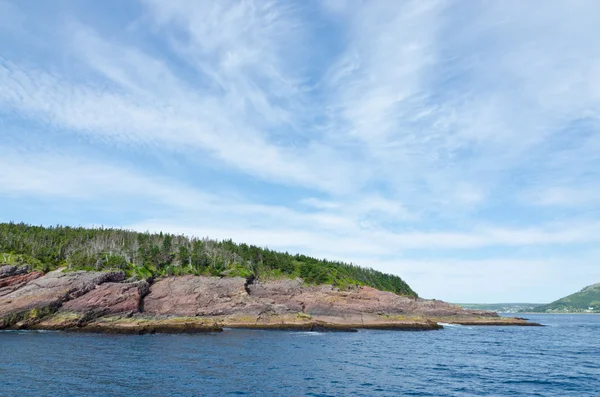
{"x":561,"y":196}
{"x":152,"y":107}
{"x":497,"y":280}
{"x":334,"y":232}
{"x":55,"y":175}
{"x":378,"y":130}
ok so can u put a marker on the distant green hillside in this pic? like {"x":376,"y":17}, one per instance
{"x":147,"y":255}
{"x":500,"y":307}
{"x":585,"y":301}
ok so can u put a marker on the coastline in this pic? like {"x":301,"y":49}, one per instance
{"x":104,"y":301}
{"x":148,"y":325}
{"x":561,"y":313}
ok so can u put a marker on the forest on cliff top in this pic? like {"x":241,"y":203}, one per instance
{"x":146,"y":255}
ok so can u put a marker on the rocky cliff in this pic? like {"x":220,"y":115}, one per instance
{"x":106,"y":302}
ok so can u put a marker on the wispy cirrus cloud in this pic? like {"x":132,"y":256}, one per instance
{"x":380,"y":133}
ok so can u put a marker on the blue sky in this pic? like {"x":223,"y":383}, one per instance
{"x":456,"y":144}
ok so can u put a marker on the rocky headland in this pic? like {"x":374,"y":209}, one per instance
{"x":105,"y":301}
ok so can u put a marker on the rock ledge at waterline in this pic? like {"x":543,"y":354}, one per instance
{"x":96,"y":301}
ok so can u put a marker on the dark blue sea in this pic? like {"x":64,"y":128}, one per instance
{"x":561,"y":359}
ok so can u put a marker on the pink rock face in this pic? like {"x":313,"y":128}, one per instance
{"x":279,"y":296}
{"x":276,"y":302}
{"x":324,"y":300}
{"x":110,"y":298}
{"x":52,"y":289}
{"x":199,"y":296}
{"x":12,"y":283}
{"x":209,"y":296}
{"x":280,"y":289}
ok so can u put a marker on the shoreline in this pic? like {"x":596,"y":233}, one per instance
{"x":551,"y":313}
{"x":103,"y":301}
{"x":169,"y":325}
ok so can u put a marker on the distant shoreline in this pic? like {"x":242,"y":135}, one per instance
{"x":550,"y":313}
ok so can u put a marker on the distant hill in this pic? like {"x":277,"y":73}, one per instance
{"x":501,"y":307}
{"x":585,"y":301}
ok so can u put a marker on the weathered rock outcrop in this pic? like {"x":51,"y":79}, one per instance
{"x":102,"y":302}
{"x":196,"y":296}
{"x":109,"y":299}
{"x":13,"y":270}
{"x":12,"y":283}
{"x":326,"y":300}
{"x":46,"y":294}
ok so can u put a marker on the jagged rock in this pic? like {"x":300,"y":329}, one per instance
{"x":23,"y":269}
{"x":99,"y":301}
{"x":46,"y":294}
{"x":209,"y":296}
{"x":325,"y":300}
{"x":276,"y":288}
{"x":109,"y":298}
{"x":7,"y":270}
{"x":199,"y":296}
{"x":12,"y":283}
{"x":13,"y":270}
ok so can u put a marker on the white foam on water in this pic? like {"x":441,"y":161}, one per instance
{"x":449,"y":325}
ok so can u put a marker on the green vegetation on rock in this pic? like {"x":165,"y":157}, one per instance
{"x":147,"y":255}
{"x":585,"y":301}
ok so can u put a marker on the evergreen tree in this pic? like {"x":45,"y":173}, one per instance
{"x":154,"y":255}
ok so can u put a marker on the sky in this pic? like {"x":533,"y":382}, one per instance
{"x":453,"y":143}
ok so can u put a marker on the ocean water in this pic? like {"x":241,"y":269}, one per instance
{"x":561,"y":359}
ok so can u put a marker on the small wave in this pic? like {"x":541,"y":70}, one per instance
{"x":310,"y":333}
{"x":450,"y":325}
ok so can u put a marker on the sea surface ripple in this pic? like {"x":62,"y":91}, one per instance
{"x":561,"y":359}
